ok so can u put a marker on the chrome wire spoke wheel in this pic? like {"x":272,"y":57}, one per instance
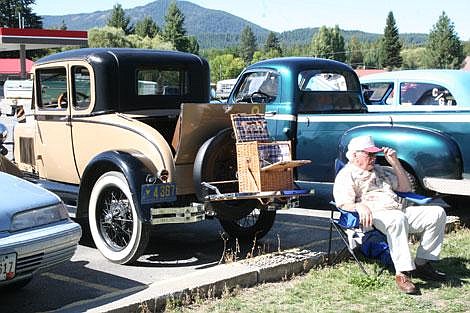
{"x":115,"y":218}
{"x":115,"y":224}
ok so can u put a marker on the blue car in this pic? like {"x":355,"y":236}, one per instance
{"x":35,"y":231}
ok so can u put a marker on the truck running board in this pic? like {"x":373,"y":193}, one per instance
{"x":448,"y":186}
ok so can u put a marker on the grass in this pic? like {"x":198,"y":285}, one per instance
{"x":344,"y":288}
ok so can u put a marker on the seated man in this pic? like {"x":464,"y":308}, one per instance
{"x":368,"y":188}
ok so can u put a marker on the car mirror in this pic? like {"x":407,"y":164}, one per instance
{"x":367,"y":94}
{"x":3,"y":137}
{"x":213,"y":94}
{"x":3,"y":133}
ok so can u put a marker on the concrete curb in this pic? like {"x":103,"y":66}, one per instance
{"x":210,"y":282}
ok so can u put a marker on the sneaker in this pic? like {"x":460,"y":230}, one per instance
{"x":428,"y":272}
{"x":405,"y":284}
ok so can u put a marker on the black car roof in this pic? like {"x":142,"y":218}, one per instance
{"x":115,"y":75}
{"x":90,"y":55}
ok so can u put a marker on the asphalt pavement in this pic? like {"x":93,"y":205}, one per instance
{"x":272,"y":264}
{"x":180,"y":260}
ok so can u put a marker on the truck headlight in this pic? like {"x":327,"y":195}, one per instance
{"x":38,"y":217}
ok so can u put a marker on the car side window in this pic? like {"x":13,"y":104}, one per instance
{"x":412,"y":93}
{"x":52,"y":89}
{"x":381,"y":93}
{"x":81,"y":87}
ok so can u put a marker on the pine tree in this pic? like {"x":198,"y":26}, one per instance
{"x":146,"y":27}
{"x":373,"y":55}
{"x":272,"y":43}
{"x":11,"y":10}
{"x":391,"y":45}
{"x":193,"y":45}
{"x":443,"y":48}
{"x":328,"y":43}
{"x":247,"y":44}
{"x":321,"y":43}
{"x":337,"y":43}
{"x":118,"y":19}
{"x":354,"y":53}
{"x":174,"y":30}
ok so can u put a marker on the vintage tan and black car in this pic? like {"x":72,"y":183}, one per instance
{"x":127,"y":138}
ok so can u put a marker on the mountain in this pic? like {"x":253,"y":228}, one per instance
{"x":212,"y":28}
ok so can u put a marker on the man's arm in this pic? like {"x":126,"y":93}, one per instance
{"x":403,"y":182}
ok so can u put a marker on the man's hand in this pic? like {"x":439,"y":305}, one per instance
{"x":365,"y":215}
{"x":404,"y":184}
{"x":390,"y":156}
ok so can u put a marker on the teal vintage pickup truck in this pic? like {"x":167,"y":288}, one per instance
{"x":319,"y":105}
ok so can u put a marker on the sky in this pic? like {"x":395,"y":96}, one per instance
{"x":411,"y":16}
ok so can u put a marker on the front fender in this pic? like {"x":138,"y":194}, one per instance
{"x":132,"y":164}
{"x":426,"y":152}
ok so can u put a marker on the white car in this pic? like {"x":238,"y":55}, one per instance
{"x":417,"y":91}
{"x":35,"y":231}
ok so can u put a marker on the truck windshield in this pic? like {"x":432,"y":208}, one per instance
{"x":258,"y":87}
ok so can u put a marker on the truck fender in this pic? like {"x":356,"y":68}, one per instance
{"x":423,"y":152}
{"x":130,"y":163}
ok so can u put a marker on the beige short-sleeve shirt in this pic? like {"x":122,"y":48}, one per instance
{"x":374,"y":188}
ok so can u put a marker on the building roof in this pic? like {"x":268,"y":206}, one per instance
{"x":363,"y":72}
{"x":13,"y":66}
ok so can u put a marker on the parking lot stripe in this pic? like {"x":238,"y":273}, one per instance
{"x":72,"y":280}
{"x":89,"y":304}
{"x":303,"y":225}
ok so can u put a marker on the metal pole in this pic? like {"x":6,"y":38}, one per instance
{"x":23,"y":61}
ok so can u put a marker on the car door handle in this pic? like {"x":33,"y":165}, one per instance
{"x":67,"y":120}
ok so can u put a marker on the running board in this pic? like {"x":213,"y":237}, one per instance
{"x":448,"y":186}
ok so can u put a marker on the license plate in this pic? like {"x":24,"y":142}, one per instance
{"x":155,"y":193}
{"x":7,"y":266}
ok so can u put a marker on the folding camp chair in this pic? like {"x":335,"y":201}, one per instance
{"x":348,"y":227}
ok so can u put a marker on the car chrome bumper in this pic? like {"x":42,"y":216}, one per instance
{"x":448,"y":186}
{"x":40,"y":248}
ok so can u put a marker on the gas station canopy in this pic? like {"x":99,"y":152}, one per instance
{"x":22,"y":39}
{"x":32,"y":38}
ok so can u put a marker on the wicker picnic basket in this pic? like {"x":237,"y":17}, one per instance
{"x":263,"y":165}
